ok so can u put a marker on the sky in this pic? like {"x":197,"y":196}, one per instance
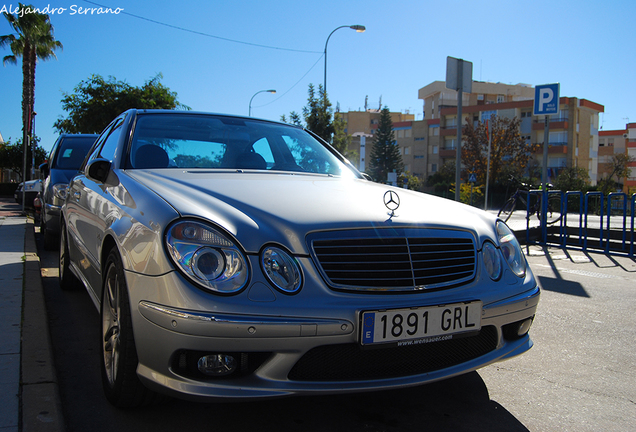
{"x":217,"y":55}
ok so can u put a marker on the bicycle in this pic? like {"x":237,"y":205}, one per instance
{"x":532,"y":208}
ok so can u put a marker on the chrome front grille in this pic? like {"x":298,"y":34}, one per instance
{"x":397,"y":261}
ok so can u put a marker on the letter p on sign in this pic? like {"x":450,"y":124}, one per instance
{"x":546,"y":99}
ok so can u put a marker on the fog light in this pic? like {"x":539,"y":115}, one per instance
{"x":524,"y":327}
{"x":217,"y":364}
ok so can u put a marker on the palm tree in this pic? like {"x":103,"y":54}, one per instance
{"x":33,"y":39}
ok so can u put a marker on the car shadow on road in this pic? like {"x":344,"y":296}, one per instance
{"x":458,"y":404}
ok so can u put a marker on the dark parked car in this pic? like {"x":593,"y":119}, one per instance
{"x":65,"y":158}
{"x":235,"y":258}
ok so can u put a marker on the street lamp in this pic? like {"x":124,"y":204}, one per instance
{"x":262,"y":91}
{"x":357,"y":28}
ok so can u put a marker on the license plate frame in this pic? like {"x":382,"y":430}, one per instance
{"x":419,"y":325}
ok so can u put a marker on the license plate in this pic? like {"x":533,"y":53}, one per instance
{"x":413,"y":326}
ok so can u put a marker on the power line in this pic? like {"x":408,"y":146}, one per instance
{"x":206,"y":34}
{"x":295,"y":84}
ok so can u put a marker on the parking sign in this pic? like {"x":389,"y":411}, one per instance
{"x":546,"y":99}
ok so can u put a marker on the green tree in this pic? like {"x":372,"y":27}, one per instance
{"x":385,"y":154}
{"x":412,"y":182}
{"x":572,"y":179}
{"x":318,"y":113}
{"x":12,"y":156}
{"x":341,"y":140}
{"x":96,"y":102}
{"x":619,"y":168}
{"x":294,"y":118}
{"x":509,"y":154}
{"x":33,"y":39}
{"x":443,"y":179}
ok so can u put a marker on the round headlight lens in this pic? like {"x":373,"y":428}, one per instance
{"x":59,"y":191}
{"x":492,"y":260}
{"x":281,"y":269}
{"x":511,"y":249}
{"x":207,"y":263}
{"x":207,"y":256}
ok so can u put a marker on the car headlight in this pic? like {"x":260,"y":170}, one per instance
{"x":59,"y":191}
{"x":492,"y":260}
{"x":511,"y":249}
{"x":207,"y":256}
{"x":281,"y":269}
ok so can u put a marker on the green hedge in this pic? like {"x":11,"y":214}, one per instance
{"x":8,"y":189}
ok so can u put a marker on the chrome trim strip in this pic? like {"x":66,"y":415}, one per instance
{"x":199,"y":323}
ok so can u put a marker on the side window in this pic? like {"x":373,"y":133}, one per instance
{"x":107,"y":140}
{"x":112,"y":139}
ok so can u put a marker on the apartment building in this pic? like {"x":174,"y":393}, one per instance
{"x":620,"y":141}
{"x":429,"y":143}
{"x":573,"y":133}
{"x":361,"y":125}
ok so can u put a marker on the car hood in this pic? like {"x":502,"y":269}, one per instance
{"x":259,"y":208}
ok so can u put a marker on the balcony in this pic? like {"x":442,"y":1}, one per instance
{"x":448,"y":152}
{"x":554,"y":148}
{"x":555,"y":123}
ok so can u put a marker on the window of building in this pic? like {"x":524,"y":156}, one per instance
{"x":418,"y":156}
{"x":480,"y":97}
{"x":486,"y":115}
{"x":435,"y":149}
{"x":433,"y":168}
{"x":450,"y":143}
{"x":610,"y":142}
{"x":407,"y":150}
{"x":501,"y":98}
{"x":433,"y":130}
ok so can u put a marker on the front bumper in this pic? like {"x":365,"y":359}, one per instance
{"x":52,"y":217}
{"x":280,"y":339}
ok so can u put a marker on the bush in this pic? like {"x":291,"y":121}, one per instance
{"x":8,"y":189}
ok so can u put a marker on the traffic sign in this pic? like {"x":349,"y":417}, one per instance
{"x":546,"y":99}
{"x":472,"y":178}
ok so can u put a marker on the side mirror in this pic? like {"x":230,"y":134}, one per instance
{"x":44,"y":170}
{"x":98,"y":170}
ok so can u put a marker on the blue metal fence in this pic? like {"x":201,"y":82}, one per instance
{"x":590,"y":221}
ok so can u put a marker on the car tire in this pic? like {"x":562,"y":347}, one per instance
{"x":68,"y":281}
{"x":119,"y":360}
{"x":49,"y":239}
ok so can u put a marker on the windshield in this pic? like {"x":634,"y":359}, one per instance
{"x":189,"y":141}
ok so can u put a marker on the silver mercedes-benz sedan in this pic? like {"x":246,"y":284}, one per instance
{"x":232,"y":258}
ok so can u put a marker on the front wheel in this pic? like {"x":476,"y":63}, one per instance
{"x":554,"y":209}
{"x":68,"y":281}
{"x":507,"y":209}
{"x":121,"y":384}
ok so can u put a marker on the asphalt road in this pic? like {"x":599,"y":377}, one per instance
{"x":579,"y":376}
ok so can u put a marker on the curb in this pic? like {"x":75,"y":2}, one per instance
{"x":40,"y":401}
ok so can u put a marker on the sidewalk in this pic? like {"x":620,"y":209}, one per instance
{"x":29,"y":398}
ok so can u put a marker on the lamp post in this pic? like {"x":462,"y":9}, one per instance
{"x":357,"y":28}
{"x":262,"y":91}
